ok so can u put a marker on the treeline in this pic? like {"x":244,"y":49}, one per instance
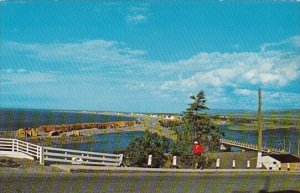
{"x":287,"y":118}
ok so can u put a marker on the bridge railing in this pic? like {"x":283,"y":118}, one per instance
{"x":250,"y":146}
{"x":60,"y":155}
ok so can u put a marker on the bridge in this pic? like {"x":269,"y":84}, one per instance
{"x":248,"y":146}
{"x":21,"y":149}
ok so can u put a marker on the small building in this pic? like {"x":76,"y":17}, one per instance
{"x":27,"y":132}
{"x":281,"y":161}
{"x":169,"y":117}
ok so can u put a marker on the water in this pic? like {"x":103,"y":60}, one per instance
{"x":272,"y":138}
{"x":13,"y":119}
{"x":276,"y":138}
{"x":107,"y":143}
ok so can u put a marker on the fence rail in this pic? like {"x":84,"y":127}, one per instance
{"x":60,"y":155}
{"x":81,"y":157}
{"x":250,"y":146}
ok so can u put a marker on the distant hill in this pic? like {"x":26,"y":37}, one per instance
{"x":253,"y":112}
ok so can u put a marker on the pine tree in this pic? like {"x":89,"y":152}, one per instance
{"x":196,"y":126}
{"x":200,"y":123}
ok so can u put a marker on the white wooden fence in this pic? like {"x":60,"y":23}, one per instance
{"x":81,"y":157}
{"x":60,"y":155}
{"x":15,"y":145}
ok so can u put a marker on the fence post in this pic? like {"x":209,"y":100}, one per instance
{"x":27,"y":147}
{"x":288,"y":166}
{"x":42,"y":155}
{"x":87,"y":160}
{"x":149,"y":160}
{"x":174,"y":161}
{"x":233,"y":164}
{"x":37,"y":152}
{"x":13,"y":145}
{"x":298,"y":146}
{"x":218,"y":164}
{"x":17,"y":145}
{"x":121,"y":160}
{"x":248,"y":164}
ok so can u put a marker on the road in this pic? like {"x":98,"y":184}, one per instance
{"x":149,"y":182}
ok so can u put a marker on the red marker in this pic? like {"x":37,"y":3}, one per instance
{"x":197,"y":149}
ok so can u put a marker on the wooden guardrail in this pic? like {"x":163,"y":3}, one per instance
{"x":15,"y":145}
{"x":81,"y":157}
{"x":250,"y":146}
{"x":60,"y":155}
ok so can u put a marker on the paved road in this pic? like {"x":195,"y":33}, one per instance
{"x":18,"y":182}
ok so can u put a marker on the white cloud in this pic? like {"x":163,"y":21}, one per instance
{"x":137,"y":14}
{"x":245,"y":92}
{"x":93,"y":51}
{"x":22,"y":70}
{"x":291,"y":43}
{"x":220,"y":75}
{"x":247,"y":98}
{"x":22,"y":76}
{"x":135,"y":19}
{"x":271,"y":68}
{"x":9,"y":70}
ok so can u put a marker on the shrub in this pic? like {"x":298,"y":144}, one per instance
{"x":140,"y":148}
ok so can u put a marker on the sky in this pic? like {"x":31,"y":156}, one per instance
{"x":143,"y":56}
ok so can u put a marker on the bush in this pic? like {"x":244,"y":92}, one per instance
{"x":140,"y":148}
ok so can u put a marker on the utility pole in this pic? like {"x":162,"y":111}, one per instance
{"x":260,"y":118}
{"x":298,"y":146}
{"x":259,"y":138}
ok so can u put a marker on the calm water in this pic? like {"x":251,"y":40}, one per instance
{"x":107,"y":143}
{"x":116,"y":141}
{"x":13,"y":119}
{"x":271,"y":138}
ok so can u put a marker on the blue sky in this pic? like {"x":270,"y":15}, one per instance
{"x":149,"y":57}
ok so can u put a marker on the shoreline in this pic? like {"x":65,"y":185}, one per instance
{"x":86,"y":135}
{"x":253,"y":128}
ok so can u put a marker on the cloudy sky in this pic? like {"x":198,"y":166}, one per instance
{"x":149,"y":57}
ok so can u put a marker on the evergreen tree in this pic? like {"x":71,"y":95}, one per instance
{"x":200,"y":124}
{"x":197,"y":126}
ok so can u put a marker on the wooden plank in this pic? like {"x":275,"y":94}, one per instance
{"x":81,"y":152}
{"x":82,"y":163}
{"x":29,"y":149}
{"x":6,"y":142}
{"x":6,"y":148}
{"x":29,"y":144}
{"x":6,"y":145}
{"x":82,"y":157}
{"x":6,"y":139}
{"x":28,"y":153}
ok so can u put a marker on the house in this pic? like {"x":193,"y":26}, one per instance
{"x":27,"y":132}
{"x":169,"y":117}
